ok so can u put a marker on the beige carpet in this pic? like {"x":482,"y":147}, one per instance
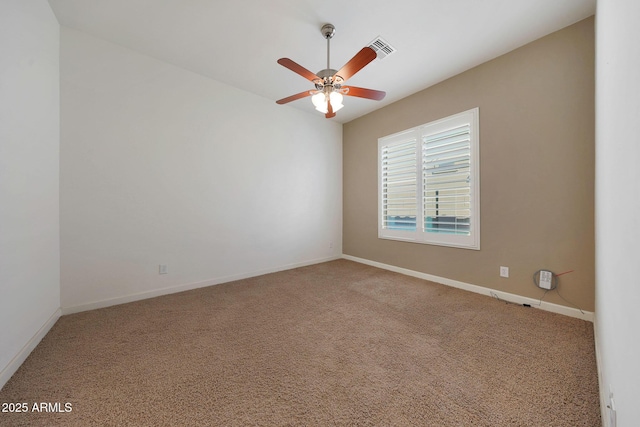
{"x":338,"y":343}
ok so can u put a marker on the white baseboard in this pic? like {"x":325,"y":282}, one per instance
{"x":15,"y":363}
{"x":187,"y":287}
{"x":518,"y":299}
{"x":604,"y":389}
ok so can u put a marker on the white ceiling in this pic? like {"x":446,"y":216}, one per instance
{"x":239,"y":41}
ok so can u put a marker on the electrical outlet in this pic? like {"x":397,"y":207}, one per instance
{"x":504,"y":271}
{"x":162,"y":269}
{"x":612,"y":409}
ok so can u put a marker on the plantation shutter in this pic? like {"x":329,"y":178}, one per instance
{"x":399,"y":185}
{"x":429,"y":183}
{"x":446,"y":181}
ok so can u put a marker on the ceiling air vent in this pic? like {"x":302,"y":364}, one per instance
{"x":382,"y":48}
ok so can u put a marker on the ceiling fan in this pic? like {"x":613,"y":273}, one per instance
{"x":327,"y":96}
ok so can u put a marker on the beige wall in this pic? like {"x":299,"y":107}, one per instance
{"x":536,"y":170}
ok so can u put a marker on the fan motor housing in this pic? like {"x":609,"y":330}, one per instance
{"x":327,"y":72}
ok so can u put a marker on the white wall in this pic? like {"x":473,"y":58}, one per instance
{"x":618,"y":206}
{"x":163,"y":166}
{"x":29,"y":155}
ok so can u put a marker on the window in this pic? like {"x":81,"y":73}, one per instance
{"x":428,"y":183}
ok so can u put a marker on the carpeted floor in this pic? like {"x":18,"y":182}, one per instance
{"x":338,"y":343}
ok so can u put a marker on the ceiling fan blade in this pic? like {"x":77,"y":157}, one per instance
{"x":330,"y":112}
{"x":356,"y":63}
{"x":361,"y":92}
{"x":299,"y":69}
{"x":294,"y":97}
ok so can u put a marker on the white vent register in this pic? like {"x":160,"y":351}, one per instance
{"x":381,"y":47}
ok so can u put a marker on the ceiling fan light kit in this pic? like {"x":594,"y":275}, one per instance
{"x":329,"y":90}
{"x":319,"y":100}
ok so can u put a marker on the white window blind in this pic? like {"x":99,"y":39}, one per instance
{"x":399,"y":185}
{"x":431,"y":173}
{"x":446,"y":189}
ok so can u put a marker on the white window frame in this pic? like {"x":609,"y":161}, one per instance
{"x":420,"y":235}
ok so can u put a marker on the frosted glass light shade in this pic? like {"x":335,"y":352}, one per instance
{"x":319,"y":100}
{"x":336,"y":101}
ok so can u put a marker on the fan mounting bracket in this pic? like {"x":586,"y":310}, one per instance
{"x":328,"y":30}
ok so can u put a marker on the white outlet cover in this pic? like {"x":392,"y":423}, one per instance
{"x":504,"y":271}
{"x":612,"y":413}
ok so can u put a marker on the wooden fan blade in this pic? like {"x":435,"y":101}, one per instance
{"x":361,"y":92}
{"x":294,"y":97}
{"x":330,"y":112}
{"x":297,"y":68}
{"x":356,"y":63}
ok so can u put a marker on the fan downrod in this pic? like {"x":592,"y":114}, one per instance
{"x":328,"y":31}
